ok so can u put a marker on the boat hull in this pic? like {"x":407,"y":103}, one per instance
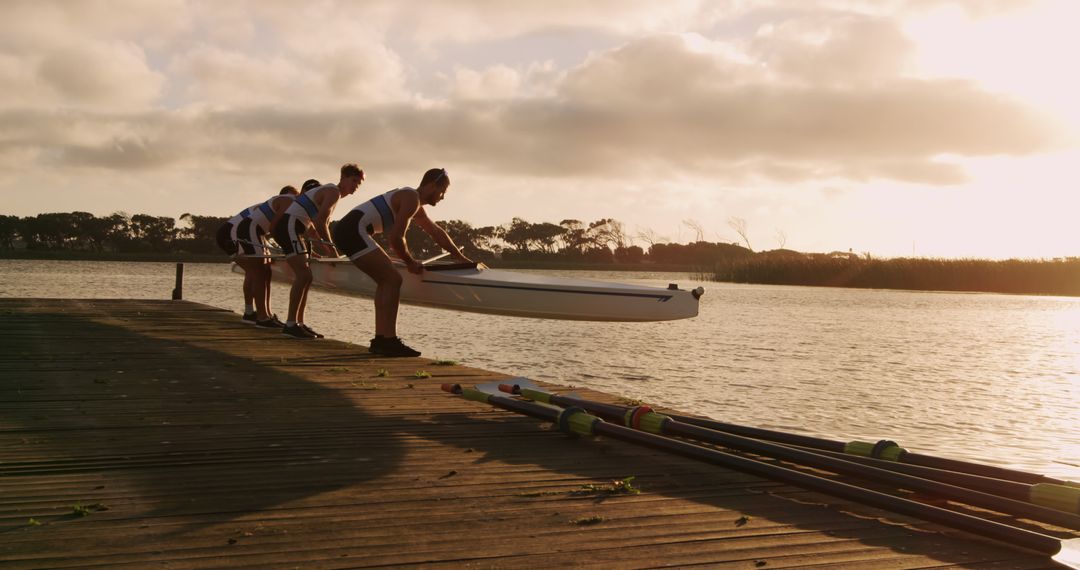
{"x":500,"y":292}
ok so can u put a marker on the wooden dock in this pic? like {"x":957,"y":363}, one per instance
{"x":166,"y":434}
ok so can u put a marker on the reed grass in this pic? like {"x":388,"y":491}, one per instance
{"x":1028,"y":277}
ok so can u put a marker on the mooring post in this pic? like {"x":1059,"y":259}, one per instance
{"x":178,"y":291}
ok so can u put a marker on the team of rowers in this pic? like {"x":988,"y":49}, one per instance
{"x":299,"y":221}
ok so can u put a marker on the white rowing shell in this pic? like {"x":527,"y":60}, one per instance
{"x":496,"y":291}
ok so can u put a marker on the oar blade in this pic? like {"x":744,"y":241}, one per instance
{"x":1069,"y":555}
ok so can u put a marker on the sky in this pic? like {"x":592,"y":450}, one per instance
{"x":891,"y":127}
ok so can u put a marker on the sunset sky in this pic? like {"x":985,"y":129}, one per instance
{"x":893,"y":127}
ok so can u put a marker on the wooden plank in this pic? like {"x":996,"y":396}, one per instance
{"x":212,"y":444}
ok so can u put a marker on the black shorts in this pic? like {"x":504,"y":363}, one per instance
{"x":350,"y":239}
{"x":248,"y":237}
{"x":289,"y":233}
{"x":224,"y":239}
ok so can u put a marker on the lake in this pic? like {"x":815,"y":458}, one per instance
{"x":982,"y":377}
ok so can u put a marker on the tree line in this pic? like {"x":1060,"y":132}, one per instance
{"x":599,"y":242}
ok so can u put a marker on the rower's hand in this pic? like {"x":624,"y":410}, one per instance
{"x":415,"y":267}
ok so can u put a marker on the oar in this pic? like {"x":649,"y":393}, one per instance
{"x":643,"y":418}
{"x":576,"y":421}
{"x":1043,"y":494}
{"x":884,"y":449}
{"x":1036,"y":493}
{"x":263,"y":246}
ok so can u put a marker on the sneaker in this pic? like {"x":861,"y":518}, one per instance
{"x":392,"y":347}
{"x":249,"y":318}
{"x":270,"y":323}
{"x":308,"y":329}
{"x":296,"y":332}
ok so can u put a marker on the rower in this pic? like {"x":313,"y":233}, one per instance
{"x":250,"y":235}
{"x":310,"y":210}
{"x":390,"y":214}
{"x":227,"y":242}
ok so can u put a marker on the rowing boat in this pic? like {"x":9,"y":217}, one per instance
{"x":477,"y":288}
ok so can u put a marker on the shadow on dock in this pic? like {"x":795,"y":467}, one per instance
{"x":184,"y":429}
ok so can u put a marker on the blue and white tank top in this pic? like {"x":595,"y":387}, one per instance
{"x":378,"y":213}
{"x":261,"y":214}
{"x":304,"y":207}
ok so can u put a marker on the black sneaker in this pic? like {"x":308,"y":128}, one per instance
{"x":249,"y":318}
{"x":308,"y":329}
{"x":296,"y":332}
{"x":392,"y":347}
{"x":270,"y":323}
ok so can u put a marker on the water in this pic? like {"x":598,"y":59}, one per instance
{"x":989,"y":378}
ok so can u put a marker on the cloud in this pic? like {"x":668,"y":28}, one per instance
{"x":819,"y":96}
{"x":833,"y":48}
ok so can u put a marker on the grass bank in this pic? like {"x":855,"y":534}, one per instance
{"x":1027,"y":277}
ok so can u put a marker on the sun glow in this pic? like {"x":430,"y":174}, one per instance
{"x":1027,"y":53}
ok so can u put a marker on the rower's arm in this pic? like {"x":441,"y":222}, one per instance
{"x":327,"y":204}
{"x":408,"y":204}
{"x":279,"y":205}
{"x":322,"y":224}
{"x":438,"y":234}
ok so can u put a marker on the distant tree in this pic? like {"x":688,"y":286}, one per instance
{"x":606,"y":233}
{"x":696,"y":227}
{"x":629,"y":254}
{"x":739,"y":225}
{"x":152,"y":233}
{"x":545,"y":235}
{"x":516,"y":234}
{"x":526,"y":237}
{"x":9,"y":230}
{"x":649,"y":237}
{"x":781,"y":238}
{"x":117,"y":230}
{"x":487,"y":238}
{"x":574,"y":238}
{"x":51,"y":230}
{"x":198,"y":233}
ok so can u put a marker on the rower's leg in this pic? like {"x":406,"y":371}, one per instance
{"x":249,"y":294}
{"x":268,"y":276}
{"x":258,"y":286}
{"x":299,"y":265}
{"x":303,"y":299}
{"x":387,"y":302}
{"x":387,"y":290}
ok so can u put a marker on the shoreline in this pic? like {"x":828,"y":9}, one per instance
{"x":67,"y":255}
{"x":703,"y":273}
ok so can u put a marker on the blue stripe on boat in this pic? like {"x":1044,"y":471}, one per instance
{"x":663,"y":298}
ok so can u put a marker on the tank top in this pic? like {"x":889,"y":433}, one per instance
{"x":377,"y":211}
{"x":260,"y":214}
{"x":304,"y":207}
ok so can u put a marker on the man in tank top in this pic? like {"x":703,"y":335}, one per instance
{"x":250,"y":235}
{"x":310,"y":210}
{"x":390,"y":214}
